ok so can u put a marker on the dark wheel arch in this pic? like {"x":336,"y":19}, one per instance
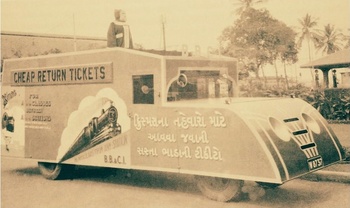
{"x":55,"y":171}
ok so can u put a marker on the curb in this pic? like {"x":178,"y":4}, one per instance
{"x":324,"y":175}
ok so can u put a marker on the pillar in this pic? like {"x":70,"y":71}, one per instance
{"x":325,"y":77}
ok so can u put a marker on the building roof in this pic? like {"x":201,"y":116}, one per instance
{"x":339,"y":59}
{"x":41,"y":35}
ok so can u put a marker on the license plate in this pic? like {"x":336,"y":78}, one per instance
{"x":315,"y":163}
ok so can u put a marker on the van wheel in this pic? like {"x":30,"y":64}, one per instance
{"x":54,"y":171}
{"x":220,"y":189}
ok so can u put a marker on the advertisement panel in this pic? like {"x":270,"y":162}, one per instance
{"x":13,"y":123}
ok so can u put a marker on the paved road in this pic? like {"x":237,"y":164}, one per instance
{"x":23,"y":186}
{"x":342,"y":131}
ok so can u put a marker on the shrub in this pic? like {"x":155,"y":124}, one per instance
{"x":331,"y":105}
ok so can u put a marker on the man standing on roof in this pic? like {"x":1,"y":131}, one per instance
{"x":119,"y":34}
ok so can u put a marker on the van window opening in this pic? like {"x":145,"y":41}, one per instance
{"x":200,"y":84}
{"x":143,"y":92}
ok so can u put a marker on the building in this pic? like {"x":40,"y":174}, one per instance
{"x":332,"y":63}
{"x":17,"y":45}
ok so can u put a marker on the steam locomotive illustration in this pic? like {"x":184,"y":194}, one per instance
{"x":98,"y":130}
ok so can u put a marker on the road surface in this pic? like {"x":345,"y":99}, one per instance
{"x":23,"y":186}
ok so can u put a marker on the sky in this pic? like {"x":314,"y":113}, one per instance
{"x":190,"y":22}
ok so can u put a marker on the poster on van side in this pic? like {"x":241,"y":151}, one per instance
{"x":13,"y":121}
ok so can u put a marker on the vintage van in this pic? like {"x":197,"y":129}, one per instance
{"x":130,"y":109}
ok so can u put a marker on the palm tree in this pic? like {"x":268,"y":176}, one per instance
{"x":244,"y":4}
{"x":329,"y":40}
{"x":307,"y":33}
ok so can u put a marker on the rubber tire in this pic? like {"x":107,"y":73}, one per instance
{"x":54,"y":171}
{"x":220,"y":189}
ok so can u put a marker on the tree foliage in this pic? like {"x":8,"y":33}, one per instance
{"x":329,"y":40}
{"x":307,"y":30}
{"x":256,"y":39}
{"x":245,"y":4}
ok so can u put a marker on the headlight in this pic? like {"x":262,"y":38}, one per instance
{"x":311,"y":123}
{"x":280,"y":129}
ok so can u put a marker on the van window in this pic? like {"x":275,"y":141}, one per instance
{"x":200,"y":84}
{"x":143,"y":92}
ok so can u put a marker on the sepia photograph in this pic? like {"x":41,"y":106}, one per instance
{"x":175,"y":104}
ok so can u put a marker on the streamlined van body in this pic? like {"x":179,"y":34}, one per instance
{"x":129,"y":109}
